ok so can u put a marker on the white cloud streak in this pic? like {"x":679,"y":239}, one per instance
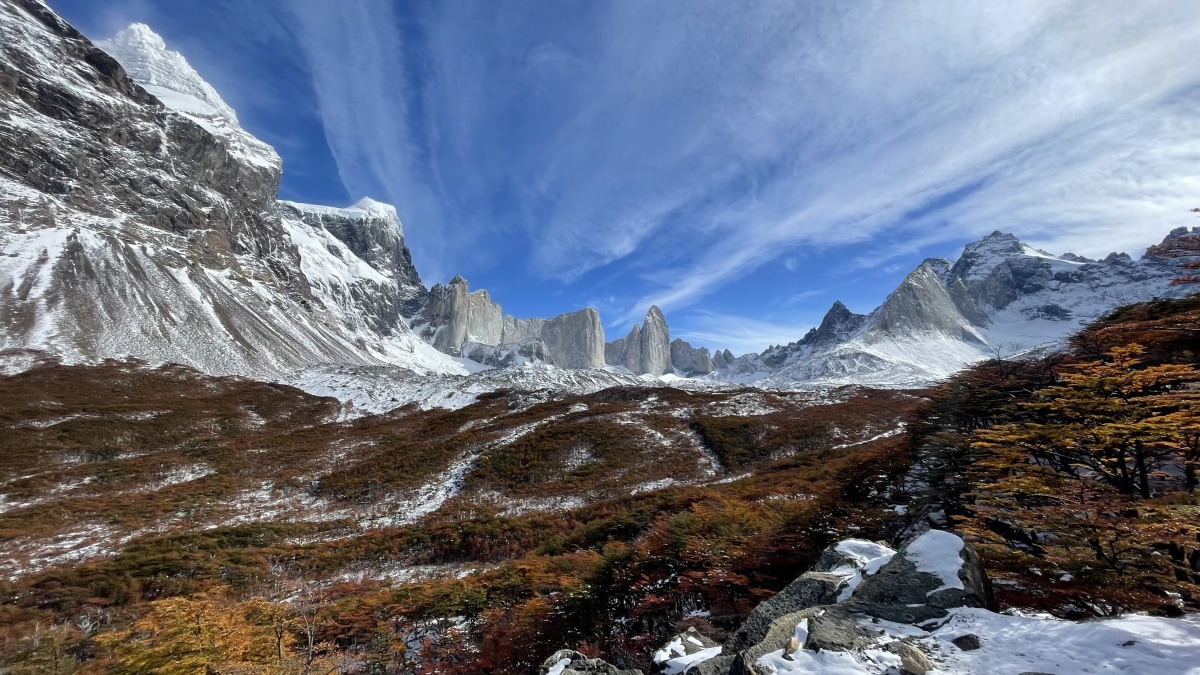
{"x":692,"y":142}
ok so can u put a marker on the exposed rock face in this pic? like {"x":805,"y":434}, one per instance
{"x":631,"y":358}
{"x":722,"y":359}
{"x":381,"y":293}
{"x":685,"y":652}
{"x":656,"y":343}
{"x":647,"y":348}
{"x":570,"y":662}
{"x":455,"y":316}
{"x":921,"y":305}
{"x":508,"y":355}
{"x":839,"y":325}
{"x":131,"y":228}
{"x":689,"y":361}
{"x":575,"y":339}
{"x":932,"y":574}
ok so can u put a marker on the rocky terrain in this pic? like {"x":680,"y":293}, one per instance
{"x":867,"y":609}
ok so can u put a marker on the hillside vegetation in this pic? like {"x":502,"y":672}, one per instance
{"x":157,"y":521}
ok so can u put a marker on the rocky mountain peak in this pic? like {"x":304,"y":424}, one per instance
{"x":165,"y":73}
{"x":647,"y":348}
{"x":981,"y":257}
{"x":838,"y":325}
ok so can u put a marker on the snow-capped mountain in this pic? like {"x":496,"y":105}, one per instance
{"x":1000,"y":298}
{"x":139,"y":219}
{"x":145,"y":225}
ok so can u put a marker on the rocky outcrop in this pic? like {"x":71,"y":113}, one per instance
{"x":921,"y":305}
{"x":836,"y":609}
{"x":685,"y":652}
{"x":379,"y":294}
{"x":575,"y":339}
{"x":838,"y":325}
{"x":647,"y":348}
{"x":689,"y":361}
{"x":571,"y":662}
{"x":455,"y":316}
{"x":656,"y":343}
{"x":508,"y":355}
{"x":722,"y":359}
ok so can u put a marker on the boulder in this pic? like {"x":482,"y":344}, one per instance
{"x":967,"y":643}
{"x":853,"y":584}
{"x":935,"y":572}
{"x":913,"y":661}
{"x":685,"y":652}
{"x":810,"y":590}
{"x":571,"y":662}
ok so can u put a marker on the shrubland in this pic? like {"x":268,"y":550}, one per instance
{"x":604,"y":523}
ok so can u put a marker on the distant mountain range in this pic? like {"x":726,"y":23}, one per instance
{"x":139,"y":220}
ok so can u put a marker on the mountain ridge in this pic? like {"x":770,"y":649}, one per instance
{"x":183,"y":253}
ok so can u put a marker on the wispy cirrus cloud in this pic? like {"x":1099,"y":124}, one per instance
{"x":682,"y":145}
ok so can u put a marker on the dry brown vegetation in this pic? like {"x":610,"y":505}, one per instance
{"x":603,"y":523}
{"x":127,"y":487}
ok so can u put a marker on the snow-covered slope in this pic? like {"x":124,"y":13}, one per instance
{"x":130,"y":228}
{"x":1001,"y":297}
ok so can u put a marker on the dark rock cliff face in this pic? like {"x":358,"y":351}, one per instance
{"x":129,"y":229}
{"x":688,"y":360}
{"x":90,"y":136}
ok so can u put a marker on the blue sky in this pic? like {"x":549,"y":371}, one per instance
{"x":741,"y":164}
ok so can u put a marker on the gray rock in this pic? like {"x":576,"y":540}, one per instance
{"x":838,"y":629}
{"x":575,"y":339}
{"x":518,"y":330}
{"x":507,"y":355}
{"x":656,"y":343}
{"x":839,"y":325}
{"x":967,"y":643}
{"x":902,"y":593}
{"x":378,"y":239}
{"x":647,"y":348}
{"x":689,"y":361}
{"x":687,"y":643}
{"x":631,"y":358}
{"x":810,"y":590}
{"x":718,"y":665}
{"x":722,"y":359}
{"x":921,"y":304}
{"x":778,"y":636}
{"x":614,"y":352}
{"x":454,"y":315}
{"x":578,"y":664}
